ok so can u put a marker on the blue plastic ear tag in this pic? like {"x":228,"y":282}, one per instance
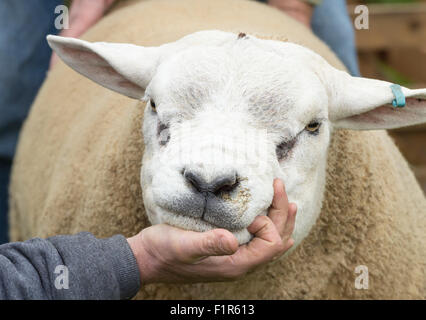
{"x":399,"y":101}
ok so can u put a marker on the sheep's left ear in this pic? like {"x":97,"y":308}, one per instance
{"x":367,"y":104}
{"x":124,"y":68}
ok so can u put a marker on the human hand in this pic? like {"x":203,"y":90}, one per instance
{"x":168,"y":254}
{"x":83,"y":15}
{"x":297,"y":9}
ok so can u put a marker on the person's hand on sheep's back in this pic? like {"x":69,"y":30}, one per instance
{"x":169,"y":254}
{"x":83,"y":15}
{"x":299,"y":10}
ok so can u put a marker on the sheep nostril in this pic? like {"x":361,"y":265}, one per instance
{"x":225,"y":183}
{"x":195,"y":180}
{"x":222,"y":183}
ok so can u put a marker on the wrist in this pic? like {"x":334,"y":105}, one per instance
{"x":145,"y":261}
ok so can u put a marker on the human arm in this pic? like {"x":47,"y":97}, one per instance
{"x":83,"y":15}
{"x":114,"y":268}
{"x":95,"y":268}
{"x":299,"y":10}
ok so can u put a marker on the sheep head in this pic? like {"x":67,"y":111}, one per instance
{"x":227,"y":113}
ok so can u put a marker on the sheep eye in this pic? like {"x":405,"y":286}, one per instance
{"x":153,"y":107}
{"x":313,"y":127}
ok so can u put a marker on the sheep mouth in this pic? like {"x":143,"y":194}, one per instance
{"x":191,"y":223}
{"x":208,"y":210}
{"x":202,"y":212}
{"x":200,"y":225}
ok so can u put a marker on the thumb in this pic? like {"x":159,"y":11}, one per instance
{"x":216,"y":242}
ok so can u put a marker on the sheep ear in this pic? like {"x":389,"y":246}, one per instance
{"x":124,"y":68}
{"x":367,"y":104}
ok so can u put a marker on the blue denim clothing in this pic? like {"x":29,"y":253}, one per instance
{"x":24,"y":59}
{"x":332,"y":24}
{"x":4,"y":182}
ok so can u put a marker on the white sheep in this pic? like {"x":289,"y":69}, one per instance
{"x":207,"y":110}
{"x":226,"y":113}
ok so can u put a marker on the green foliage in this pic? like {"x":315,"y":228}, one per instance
{"x":391,"y":1}
{"x":393,"y":75}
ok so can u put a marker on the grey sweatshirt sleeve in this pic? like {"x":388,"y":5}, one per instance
{"x":68,"y":267}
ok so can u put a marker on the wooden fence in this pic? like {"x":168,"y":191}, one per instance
{"x":392,"y":49}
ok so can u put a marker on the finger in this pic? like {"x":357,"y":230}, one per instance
{"x":257,"y":251}
{"x":279,"y":208}
{"x":288,"y":244}
{"x":280,"y":197}
{"x":263,"y":229}
{"x":266,"y":244}
{"x":199,"y":245}
{"x":290,"y":223}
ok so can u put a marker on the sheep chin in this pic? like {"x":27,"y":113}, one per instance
{"x":198,"y":225}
